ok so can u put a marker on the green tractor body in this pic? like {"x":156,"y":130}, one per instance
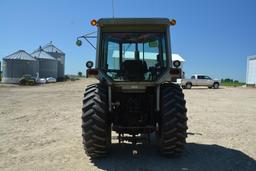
{"x":135,"y":96}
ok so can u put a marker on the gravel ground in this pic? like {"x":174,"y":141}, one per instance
{"x":40,"y":130}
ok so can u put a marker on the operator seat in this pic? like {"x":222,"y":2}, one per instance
{"x":133,"y":70}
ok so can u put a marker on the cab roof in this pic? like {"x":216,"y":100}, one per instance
{"x":133,"y":21}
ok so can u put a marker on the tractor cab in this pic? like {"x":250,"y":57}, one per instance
{"x":135,"y":96}
{"x":134,"y":56}
{"x":133,"y":49}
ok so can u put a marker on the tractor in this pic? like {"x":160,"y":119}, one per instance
{"x":135,"y":96}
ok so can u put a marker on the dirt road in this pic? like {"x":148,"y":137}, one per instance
{"x":40,"y":130}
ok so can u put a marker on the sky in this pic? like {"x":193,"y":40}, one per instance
{"x":213,"y":36}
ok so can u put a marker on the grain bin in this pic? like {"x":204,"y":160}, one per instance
{"x":59,"y":56}
{"x":48,"y":65}
{"x":18,"y":64}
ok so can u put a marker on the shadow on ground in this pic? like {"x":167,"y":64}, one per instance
{"x":197,"y":157}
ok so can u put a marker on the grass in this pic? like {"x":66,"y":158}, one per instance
{"x":232,"y":84}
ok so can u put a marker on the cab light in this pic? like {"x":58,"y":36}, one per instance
{"x":172,"y":22}
{"x":93,"y":22}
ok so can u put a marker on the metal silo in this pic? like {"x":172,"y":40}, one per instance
{"x":48,"y":65}
{"x":59,"y":56}
{"x":18,"y":64}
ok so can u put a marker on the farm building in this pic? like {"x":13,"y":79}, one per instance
{"x":48,"y":61}
{"x":58,"y":55}
{"x":0,"y":71}
{"x":48,"y":65}
{"x":251,"y":70}
{"x":18,"y":64}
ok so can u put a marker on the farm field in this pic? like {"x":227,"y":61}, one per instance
{"x":40,"y":130}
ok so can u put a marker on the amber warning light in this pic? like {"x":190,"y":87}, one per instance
{"x":172,"y":22}
{"x":93,"y":22}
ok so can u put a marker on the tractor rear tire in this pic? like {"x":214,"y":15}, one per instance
{"x":96,"y":130}
{"x":173,"y":126}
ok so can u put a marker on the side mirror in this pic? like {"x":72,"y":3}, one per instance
{"x":89,"y":64}
{"x":78,"y":42}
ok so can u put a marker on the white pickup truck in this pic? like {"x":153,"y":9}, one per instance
{"x":200,"y":80}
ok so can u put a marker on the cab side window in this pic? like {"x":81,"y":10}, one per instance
{"x":207,"y":78}
{"x":200,"y":77}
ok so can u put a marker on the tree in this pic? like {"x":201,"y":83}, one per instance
{"x":80,"y":74}
{"x":228,"y":80}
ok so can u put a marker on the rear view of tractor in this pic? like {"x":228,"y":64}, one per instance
{"x":135,"y":96}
